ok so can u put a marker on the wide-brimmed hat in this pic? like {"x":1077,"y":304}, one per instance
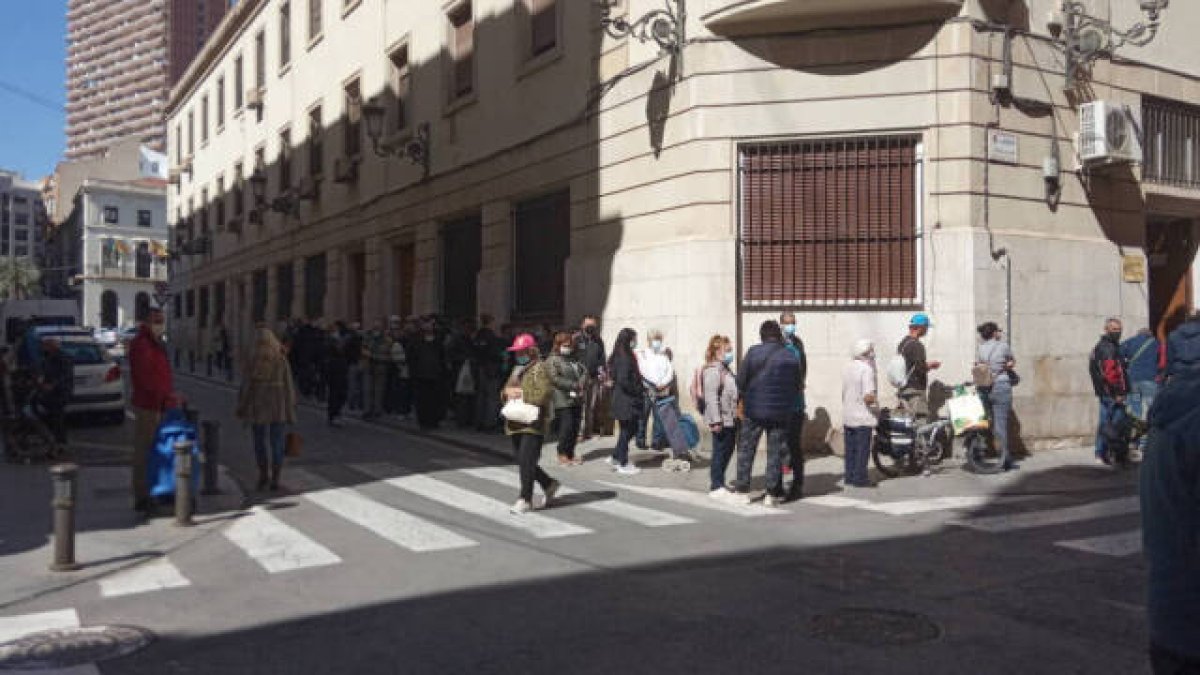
{"x":522,"y":342}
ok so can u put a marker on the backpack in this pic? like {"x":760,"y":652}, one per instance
{"x":536,"y":387}
{"x":898,"y":371}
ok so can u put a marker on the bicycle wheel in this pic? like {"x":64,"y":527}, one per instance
{"x":889,"y":464}
{"x":982,"y":456}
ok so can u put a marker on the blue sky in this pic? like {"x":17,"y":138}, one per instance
{"x":31,"y":60}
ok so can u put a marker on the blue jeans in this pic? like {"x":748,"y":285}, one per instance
{"x":1141,"y":397}
{"x":858,"y":449}
{"x":777,"y":435}
{"x":1108,"y":412}
{"x":262,"y":433}
{"x":722,"y":452}
{"x":999,"y":401}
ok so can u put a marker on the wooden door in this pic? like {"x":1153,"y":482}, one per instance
{"x":1171,"y":252}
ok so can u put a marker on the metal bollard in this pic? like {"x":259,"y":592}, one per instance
{"x":211,"y":448}
{"x":193,"y":416}
{"x":63,"y":477}
{"x":183,"y":483}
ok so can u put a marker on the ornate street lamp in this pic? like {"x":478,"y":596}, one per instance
{"x":258,"y":186}
{"x":663,"y":26}
{"x":1086,"y":38}
{"x":415,"y":149}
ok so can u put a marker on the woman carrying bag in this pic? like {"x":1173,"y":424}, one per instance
{"x":267,"y":402}
{"x":570,"y":381}
{"x":530,"y":384}
{"x":629,"y":398}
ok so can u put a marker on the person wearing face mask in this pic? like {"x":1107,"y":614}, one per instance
{"x":628,"y":398}
{"x":860,"y":412}
{"x":570,"y":379}
{"x":1110,"y":382}
{"x":795,"y":463}
{"x":530,"y":383}
{"x":427,"y":366}
{"x":654,"y":360}
{"x":662,"y":392}
{"x":590,"y":348}
{"x":719,"y":396}
{"x":150,"y":382}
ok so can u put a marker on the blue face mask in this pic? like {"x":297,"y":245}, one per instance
{"x":789,"y":329}
{"x":728,"y":358}
{"x":522,"y":360}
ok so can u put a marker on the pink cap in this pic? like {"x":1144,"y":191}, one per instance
{"x":522,"y":342}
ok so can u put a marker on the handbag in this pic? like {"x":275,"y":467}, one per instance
{"x":465,"y":384}
{"x":520,"y":412}
{"x":293,"y":444}
{"x":981,"y":373}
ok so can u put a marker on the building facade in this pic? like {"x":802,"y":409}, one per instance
{"x":23,"y":218}
{"x":852,"y":161}
{"x":113,"y":249}
{"x":121,"y":55}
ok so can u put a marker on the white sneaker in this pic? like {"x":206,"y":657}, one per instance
{"x":770,"y":501}
{"x":612,"y":461}
{"x":521,"y":506}
{"x":628,"y":470}
{"x":669,"y":465}
{"x":550,"y":491}
{"x":722,"y":494}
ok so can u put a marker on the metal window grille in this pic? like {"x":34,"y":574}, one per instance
{"x":1172,"y":142}
{"x":831,"y":222}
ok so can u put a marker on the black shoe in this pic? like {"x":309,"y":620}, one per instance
{"x":794,"y":494}
{"x":142,"y":506}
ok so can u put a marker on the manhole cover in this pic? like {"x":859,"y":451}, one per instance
{"x":880,"y":627}
{"x":72,"y":647}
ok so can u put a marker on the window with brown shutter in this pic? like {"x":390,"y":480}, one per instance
{"x":542,"y":234}
{"x":830,"y":222}
{"x":462,"y":258}
{"x":543,"y":18}
{"x":462,"y":35}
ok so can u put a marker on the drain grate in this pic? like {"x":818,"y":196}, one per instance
{"x":875,"y":627}
{"x":64,"y":648}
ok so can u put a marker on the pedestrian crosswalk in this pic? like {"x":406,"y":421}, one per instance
{"x":459,"y":509}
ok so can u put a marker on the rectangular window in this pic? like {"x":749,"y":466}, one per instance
{"x":239,"y":83}
{"x":316,"y":145}
{"x":314,"y":286}
{"x":203,"y":212}
{"x":462,"y":258}
{"x":22,"y":235}
{"x":285,"y":34}
{"x":258,"y":298}
{"x":401,"y":81}
{"x":353,"y":123}
{"x":21,"y":219}
{"x":1172,"y":145}
{"x":191,"y":133}
{"x":203,"y":318}
{"x":462,"y":51}
{"x":204,"y":120}
{"x":178,"y":306}
{"x":220,"y":101}
{"x":285,"y":160}
{"x":144,"y":218}
{"x":239,"y":195}
{"x":260,"y":58}
{"x":830,"y":222}
{"x":219,"y":303}
{"x":111,"y":215}
{"x":543,"y":26}
{"x":21,"y":250}
{"x":314,"y":19}
{"x":543,"y":244}
{"x":219,"y":203}
{"x":285,"y":281}
{"x":191,"y":303}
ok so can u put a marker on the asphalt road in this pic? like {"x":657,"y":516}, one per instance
{"x":394,"y":554}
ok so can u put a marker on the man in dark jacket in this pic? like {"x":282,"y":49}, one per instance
{"x":1111,"y":383}
{"x":1183,"y":348}
{"x":1170,"y":494}
{"x":58,"y":381}
{"x":590,"y":348}
{"x":768,"y":382}
{"x":150,"y":380}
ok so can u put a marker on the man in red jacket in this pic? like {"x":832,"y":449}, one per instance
{"x":150,"y":375}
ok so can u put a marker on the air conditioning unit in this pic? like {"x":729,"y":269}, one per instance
{"x":254,"y":98}
{"x":1108,"y":134}
{"x":345,"y":169}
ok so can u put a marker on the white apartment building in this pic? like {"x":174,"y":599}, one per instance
{"x":116,"y":243}
{"x":22,"y":217}
{"x":854,"y":161}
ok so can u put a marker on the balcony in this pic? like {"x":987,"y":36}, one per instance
{"x":128,"y":271}
{"x":760,"y":17}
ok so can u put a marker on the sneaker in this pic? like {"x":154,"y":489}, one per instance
{"x":551,"y":490}
{"x":683,"y":466}
{"x":628,"y":470}
{"x":612,"y":461}
{"x":670,"y":465}
{"x":723,"y":494}
{"x":521,"y":506}
{"x":771,"y":501}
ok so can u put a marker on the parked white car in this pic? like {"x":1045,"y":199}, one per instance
{"x":108,"y":338}
{"x":98,"y":386}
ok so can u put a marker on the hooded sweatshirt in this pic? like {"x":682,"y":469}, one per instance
{"x":1183,"y":348}
{"x":1170,"y":496}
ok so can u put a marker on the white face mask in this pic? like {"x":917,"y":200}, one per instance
{"x":565,"y":351}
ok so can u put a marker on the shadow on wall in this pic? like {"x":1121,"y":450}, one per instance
{"x":838,"y":52}
{"x":329,"y":200}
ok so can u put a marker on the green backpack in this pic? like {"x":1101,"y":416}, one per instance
{"x":536,"y":386}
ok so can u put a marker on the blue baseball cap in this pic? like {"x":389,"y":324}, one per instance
{"x":921,"y":320}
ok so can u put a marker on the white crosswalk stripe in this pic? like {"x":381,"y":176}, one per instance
{"x":610,"y":507}
{"x":154,"y":575}
{"x":275,"y":545}
{"x":1046,"y":518}
{"x":1112,"y":545}
{"x":400,"y":528}
{"x":17,"y":627}
{"x":476,"y":504}
{"x":698,"y":499}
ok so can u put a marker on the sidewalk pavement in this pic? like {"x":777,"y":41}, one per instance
{"x":110,"y":535}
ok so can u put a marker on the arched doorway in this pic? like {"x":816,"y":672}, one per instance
{"x":108,"y":309}
{"x":141,"y":306}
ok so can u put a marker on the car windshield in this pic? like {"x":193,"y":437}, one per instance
{"x":83,"y":353}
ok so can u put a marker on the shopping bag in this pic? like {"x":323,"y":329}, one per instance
{"x":520,"y":412}
{"x":966,"y":410}
{"x":160,"y":465}
{"x":465,"y":383}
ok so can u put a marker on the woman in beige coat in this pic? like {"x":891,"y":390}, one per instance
{"x":267,"y":402}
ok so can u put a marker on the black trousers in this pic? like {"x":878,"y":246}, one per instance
{"x":795,"y":431}
{"x":568,"y":430}
{"x":528,"y":450}
{"x":339,"y":390}
{"x":431,"y":404}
